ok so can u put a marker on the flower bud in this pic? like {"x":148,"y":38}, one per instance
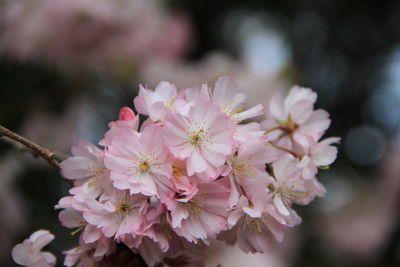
{"x":126,"y":114}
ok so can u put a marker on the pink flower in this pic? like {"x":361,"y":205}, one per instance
{"x":86,"y":162}
{"x":139,"y":162}
{"x":89,"y":254}
{"x":94,"y":35}
{"x":293,"y":119}
{"x":193,"y":172}
{"x":251,"y":157}
{"x":69,"y":217}
{"x":126,"y":119}
{"x":87,"y":168}
{"x":72,"y":217}
{"x":232,"y":104}
{"x":29,"y":252}
{"x":156,"y":104}
{"x":254,"y":233}
{"x":204,"y":138}
{"x":204,"y":215}
{"x":289,"y":187}
{"x":320,"y":154}
{"x":118,"y":215}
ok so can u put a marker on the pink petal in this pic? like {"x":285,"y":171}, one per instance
{"x":276,"y":108}
{"x":280,"y":205}
{"x":301,"y":112}
{"x":41,"y":238}
{"x":195,"y":163}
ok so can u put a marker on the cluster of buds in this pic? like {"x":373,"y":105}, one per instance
{"x":194,"y":171}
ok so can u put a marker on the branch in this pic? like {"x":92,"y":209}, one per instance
{"x":49,"y":156}
{"x":295,"y":154}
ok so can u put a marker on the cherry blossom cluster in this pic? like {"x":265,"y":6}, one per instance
{"x":195,"y":170}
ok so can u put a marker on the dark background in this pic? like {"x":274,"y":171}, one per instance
{"x":348,"y":51}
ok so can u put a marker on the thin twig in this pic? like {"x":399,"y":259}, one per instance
{"x":273,"y":129}
{"x":295,"y":154}
{"x":49,"y":156}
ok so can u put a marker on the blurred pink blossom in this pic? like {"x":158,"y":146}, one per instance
{"x":361,"y":230}
{"x":96,"y":34}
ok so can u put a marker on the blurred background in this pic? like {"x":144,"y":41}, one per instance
{"x":67,"y":67}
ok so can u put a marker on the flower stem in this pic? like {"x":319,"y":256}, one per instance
{"x":273,"y":129}
{"x":295,"y":154}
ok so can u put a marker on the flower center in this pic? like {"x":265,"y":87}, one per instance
{"x":145,"y":162}
{"x":289,"y":126}
{"x":144,"y":167}
{"x":170,"y":105}
{"x":198,"y":134}
{"x":195,"y":139}
{"x":254,"y":224}
{"x":195,"y":206}
{"x":289,"y":192}
{"x":241,"y":168}
{"x":124,"y":209}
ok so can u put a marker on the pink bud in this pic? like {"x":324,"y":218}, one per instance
{"x":126,"y":114}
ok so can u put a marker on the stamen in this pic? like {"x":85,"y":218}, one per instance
{"x":144,"y":162}
{"x":78,"y":230}
{"x":144,"y":167}
{"x":93,"y":171}
{"x":124,"y":209}
{"x":178,"y":170}
{"x":241,"y":167}
{"x":258,"y":226}
{"x":198,"y":134}
{"x":195,"y":206}
{"x":294,"y":194}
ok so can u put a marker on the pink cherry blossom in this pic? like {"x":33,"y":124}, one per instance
{"x":86,"y":162}
{"x":28,"y":253}
{"x":156,"y":104}
{"x":94,"y":35}
{"x":89,"y":254}
{"x":204,"y":215}
{"x":126,"y":119}
{"x":118,"y":215}
{"x":232,"y":103}
{"x":204,"y":138}
{"x":194,"y":171}
{"x":254,"y":233}
{"x":251,"y":157}
{"x":320,"y":154}
{"x":289,"y":187}
{"x":293,"y":119}
{"x":139,"y":162}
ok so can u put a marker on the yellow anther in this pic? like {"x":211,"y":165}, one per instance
{"x":124,"y":209}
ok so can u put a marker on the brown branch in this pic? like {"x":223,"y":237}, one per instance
{"x":49,"y":156}
{"x":295,"y":154}
{"x":273,"y":129}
